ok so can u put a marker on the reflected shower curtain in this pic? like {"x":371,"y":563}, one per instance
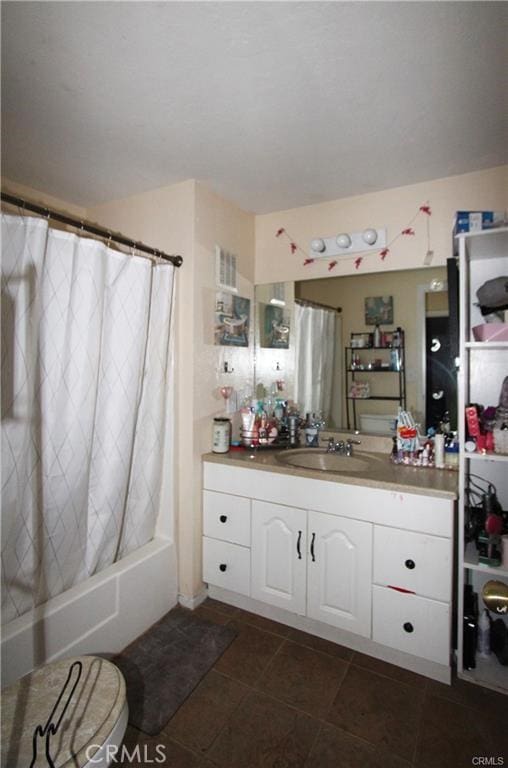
{"x":85,"y":381}
{"x":315,"y":342}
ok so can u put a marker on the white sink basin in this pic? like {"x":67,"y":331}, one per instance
{"x":309,"y":458}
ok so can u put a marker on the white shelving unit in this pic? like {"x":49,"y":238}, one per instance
{"x":483,"y":367}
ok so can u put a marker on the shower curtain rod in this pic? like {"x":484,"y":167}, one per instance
{"x":91,"y":228}
{"x":317,"y":304}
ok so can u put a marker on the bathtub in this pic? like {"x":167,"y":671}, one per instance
{"x":101,"y":615}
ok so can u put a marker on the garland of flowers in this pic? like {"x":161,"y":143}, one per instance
{"x":408,"y":231}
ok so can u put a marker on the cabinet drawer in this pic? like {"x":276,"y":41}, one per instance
{"x":226,"y":565}
{"x":414,"y":561}
{"x":411,"y":624}
{"x":226,"y":517}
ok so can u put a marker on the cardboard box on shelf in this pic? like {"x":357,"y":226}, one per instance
{"x":475,"y":221}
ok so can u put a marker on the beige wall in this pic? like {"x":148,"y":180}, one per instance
{"x":391,"y":208}
{"x":217,"y":222}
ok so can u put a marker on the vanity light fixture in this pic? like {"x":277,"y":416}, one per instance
{"x":343,"y":240}
{"x":370,"y":236}
{"x":345,"y":243}
{"x":318,"y":245}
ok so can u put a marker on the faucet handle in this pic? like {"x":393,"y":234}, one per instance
{"x":349,"y":446}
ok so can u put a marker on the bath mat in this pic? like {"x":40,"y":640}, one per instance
{"x":163,"y":666}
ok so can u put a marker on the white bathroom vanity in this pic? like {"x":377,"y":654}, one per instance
{"x":362,"y":559}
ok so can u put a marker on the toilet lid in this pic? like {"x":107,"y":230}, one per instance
{"x":94,"y":695}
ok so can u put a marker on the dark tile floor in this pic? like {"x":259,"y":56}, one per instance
{"x":280,"y":698}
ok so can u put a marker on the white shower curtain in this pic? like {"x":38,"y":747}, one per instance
{"x":85,"y":381}
{"x":315,"y":342}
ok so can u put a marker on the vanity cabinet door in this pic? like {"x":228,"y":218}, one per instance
{"x":339,"y":572}
{"x":278,"y":559}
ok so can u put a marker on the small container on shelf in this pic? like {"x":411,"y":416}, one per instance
{"x":500,"y":440}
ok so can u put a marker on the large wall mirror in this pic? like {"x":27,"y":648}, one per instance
{"x":315,"y":343}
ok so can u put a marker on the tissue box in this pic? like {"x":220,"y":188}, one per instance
{"x":475,"y":221}
{"x":491,"y":332}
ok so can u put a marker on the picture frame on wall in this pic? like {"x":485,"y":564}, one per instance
{"x":379,"y":310}
{"x":275,"y":327}
{"x":232,"y":320}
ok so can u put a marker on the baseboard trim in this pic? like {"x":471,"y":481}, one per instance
{"x":193,"y":602}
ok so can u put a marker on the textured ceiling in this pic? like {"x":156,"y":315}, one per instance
{"x":274,"y":105}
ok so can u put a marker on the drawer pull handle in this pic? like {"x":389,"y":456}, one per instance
{"x":312,"y":547}
{"x":299,"y":551}
{"x":222,"y":567}
{"x":410,"y":564}
{"x":223,"y":518}
{"x":408,"y":627}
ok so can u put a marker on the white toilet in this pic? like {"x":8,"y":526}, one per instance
{"x":80,"y":707}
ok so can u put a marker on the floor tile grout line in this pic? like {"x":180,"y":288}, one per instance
{"x":250,"y":691}
{"x":389,"y":677}
{"x":241,"y":619}
{"x":420,"y":724}
{"x":322,"y":721}
{"x":314,"y":741}
{"x":298,"y":642}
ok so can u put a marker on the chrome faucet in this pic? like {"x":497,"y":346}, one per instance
{"x":341,"y":447}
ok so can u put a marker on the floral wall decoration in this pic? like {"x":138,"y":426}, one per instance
{"x":407,"y":231}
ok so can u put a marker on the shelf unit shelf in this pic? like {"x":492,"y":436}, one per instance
{"x":486,"y":456}
{"x":374,"y":397}
{"x":363,"y":373}
{"x":373,"y":370}
{"x":471,"y":563}
{"x":489,"y":673}
{"x":486,"y":345}
{"x":483,"y":367}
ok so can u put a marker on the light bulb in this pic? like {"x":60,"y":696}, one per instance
{"x":318,"y":245}
{"x":343,"y":240}
{"x":370,"y":236}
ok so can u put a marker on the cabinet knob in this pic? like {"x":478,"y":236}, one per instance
{"x":223,"y":518}
{"x":222,"y":567}
{"x":408,"y":627}
{"x":410,"y":564}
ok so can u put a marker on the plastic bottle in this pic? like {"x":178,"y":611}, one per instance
{"x":484,"y":634}
{"x":439,"y":458}
{"x":377,"y":336}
